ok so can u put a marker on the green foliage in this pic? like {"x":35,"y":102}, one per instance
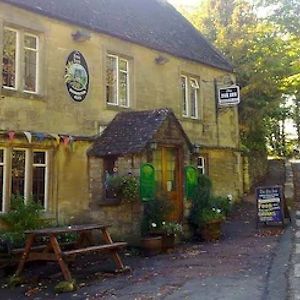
{"x":265,"y":54}
{"x":205,"y":206}
{"x":209,"y":214}
{"x":155,"y":212}
{"x":171,"y":228}
{"x":21,"y":217}
{"x":124,"y":187}
{"x":221,"y":203}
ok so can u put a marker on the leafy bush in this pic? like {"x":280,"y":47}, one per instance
{"x":171,"y":228}
{"x":205,"y":206}
{"x":22,"y":216}
{"x":222,"y":203}
{"x":155,"y":212}
{"x":124,"y":187}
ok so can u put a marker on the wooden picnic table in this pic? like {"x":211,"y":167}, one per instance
{"x":52,"y":251}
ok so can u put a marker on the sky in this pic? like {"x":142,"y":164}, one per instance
{"x":184,"y":2}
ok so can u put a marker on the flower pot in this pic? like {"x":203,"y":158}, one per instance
{"x":211,"y":231}
{"x":168,"y":242}
{"x":151,"y":245}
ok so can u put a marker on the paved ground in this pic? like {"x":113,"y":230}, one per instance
{"x":245,"y":264}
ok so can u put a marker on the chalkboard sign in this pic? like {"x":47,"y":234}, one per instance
{"x":269,"y":203}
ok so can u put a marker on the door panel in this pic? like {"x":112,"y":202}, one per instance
{"x":168,"y":179}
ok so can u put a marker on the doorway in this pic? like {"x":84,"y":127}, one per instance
{"x":168,"y":175}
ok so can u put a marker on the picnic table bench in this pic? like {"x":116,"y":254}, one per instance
{"x":52,"y":251}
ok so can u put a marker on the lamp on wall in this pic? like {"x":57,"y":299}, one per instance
{"x":196,"y":149}
{"x":81,"y":36}
{"x":153,"y":145}
{"x":161,"y":60}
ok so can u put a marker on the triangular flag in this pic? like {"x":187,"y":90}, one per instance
{"x":66,"y":140}
{"x":39,"y":136}
{"x":56,"y":136}
{"x":28,"y":136}
{"x":11,"y":135}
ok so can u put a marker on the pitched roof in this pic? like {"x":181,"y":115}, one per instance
{"x":131,"y":132}
{"x":152,"y":23}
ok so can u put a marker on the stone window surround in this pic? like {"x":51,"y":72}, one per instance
{"x":32,"y":28}
{"x":129,"y":75}
{"x":29,"y":164}
{"x":188,"y":85}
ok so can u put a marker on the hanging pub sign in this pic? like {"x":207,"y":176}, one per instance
{"x":270,"y":205}
{"x":77,"y":76}
{"x":229,"y":95}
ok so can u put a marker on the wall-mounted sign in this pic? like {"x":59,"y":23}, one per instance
{"x":77,"y":76}
{"x":229,"y":95}
{"x":190,"y":181}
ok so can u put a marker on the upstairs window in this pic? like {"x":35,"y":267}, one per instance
{"x":16,"y":45}
{"x":9,"y":67}
{"x":190,"y":96}
{"x":30,"y":62}
{"x":117,"y":81}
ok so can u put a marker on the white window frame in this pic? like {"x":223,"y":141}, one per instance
{"x":186,"y":94}
{"x":3,"y":209}
{"x":17,"y":59}
{"x":190,"y":83}
{"x":118,"y":81}
{"x":37,"y":51}
{"x":46,"y":166}
{"x":28,"y":178}
{"x":196,"y":98}
{"x":201,"y":166}
{"x":19,"y":84}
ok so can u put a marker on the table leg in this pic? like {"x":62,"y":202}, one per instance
{"x":28,"y":244}
{"x":64,"y":268}
{"x":116,"y":257}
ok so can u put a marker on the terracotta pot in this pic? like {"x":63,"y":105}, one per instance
{"x":211,"y":231}
{"x":151,"y":245}
{"x":168,"y":242}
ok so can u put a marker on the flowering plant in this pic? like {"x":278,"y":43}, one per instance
{"x":210,"y":214}
{"x":171,"y":228}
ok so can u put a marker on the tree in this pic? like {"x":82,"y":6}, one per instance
{"x":261,"y":56}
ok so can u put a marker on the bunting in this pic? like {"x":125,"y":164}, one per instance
{"x":28,"y":136}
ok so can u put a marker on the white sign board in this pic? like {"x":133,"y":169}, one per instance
{"x":229,"y":95}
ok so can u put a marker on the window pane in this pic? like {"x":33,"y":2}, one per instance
{"x":39,"y":157}
{"x":123,"y":65}
{"x":18,"y":172}
{"x":194,"y":87}
{"x":1,"y":178}
{"x":30,"y":70}
{"x":9,"y":58}
{"x":30,"y":42}
{"x":38,"y":184}
{"x":123,"y":89}
{"x":111,"y":79}
{"x":184,"y":100}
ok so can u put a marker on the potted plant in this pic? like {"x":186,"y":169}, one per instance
{"x":169,"y":232}
{"x":207,"y":211}
{"x":210,"y":221}
{"x":154,"y":212}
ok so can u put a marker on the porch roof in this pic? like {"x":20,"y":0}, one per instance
{"x":131,"y":132}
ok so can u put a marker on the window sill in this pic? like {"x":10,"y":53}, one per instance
{"x":110,"y":202}
{"x":117,"y":107}
{"x":18,"y":94}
